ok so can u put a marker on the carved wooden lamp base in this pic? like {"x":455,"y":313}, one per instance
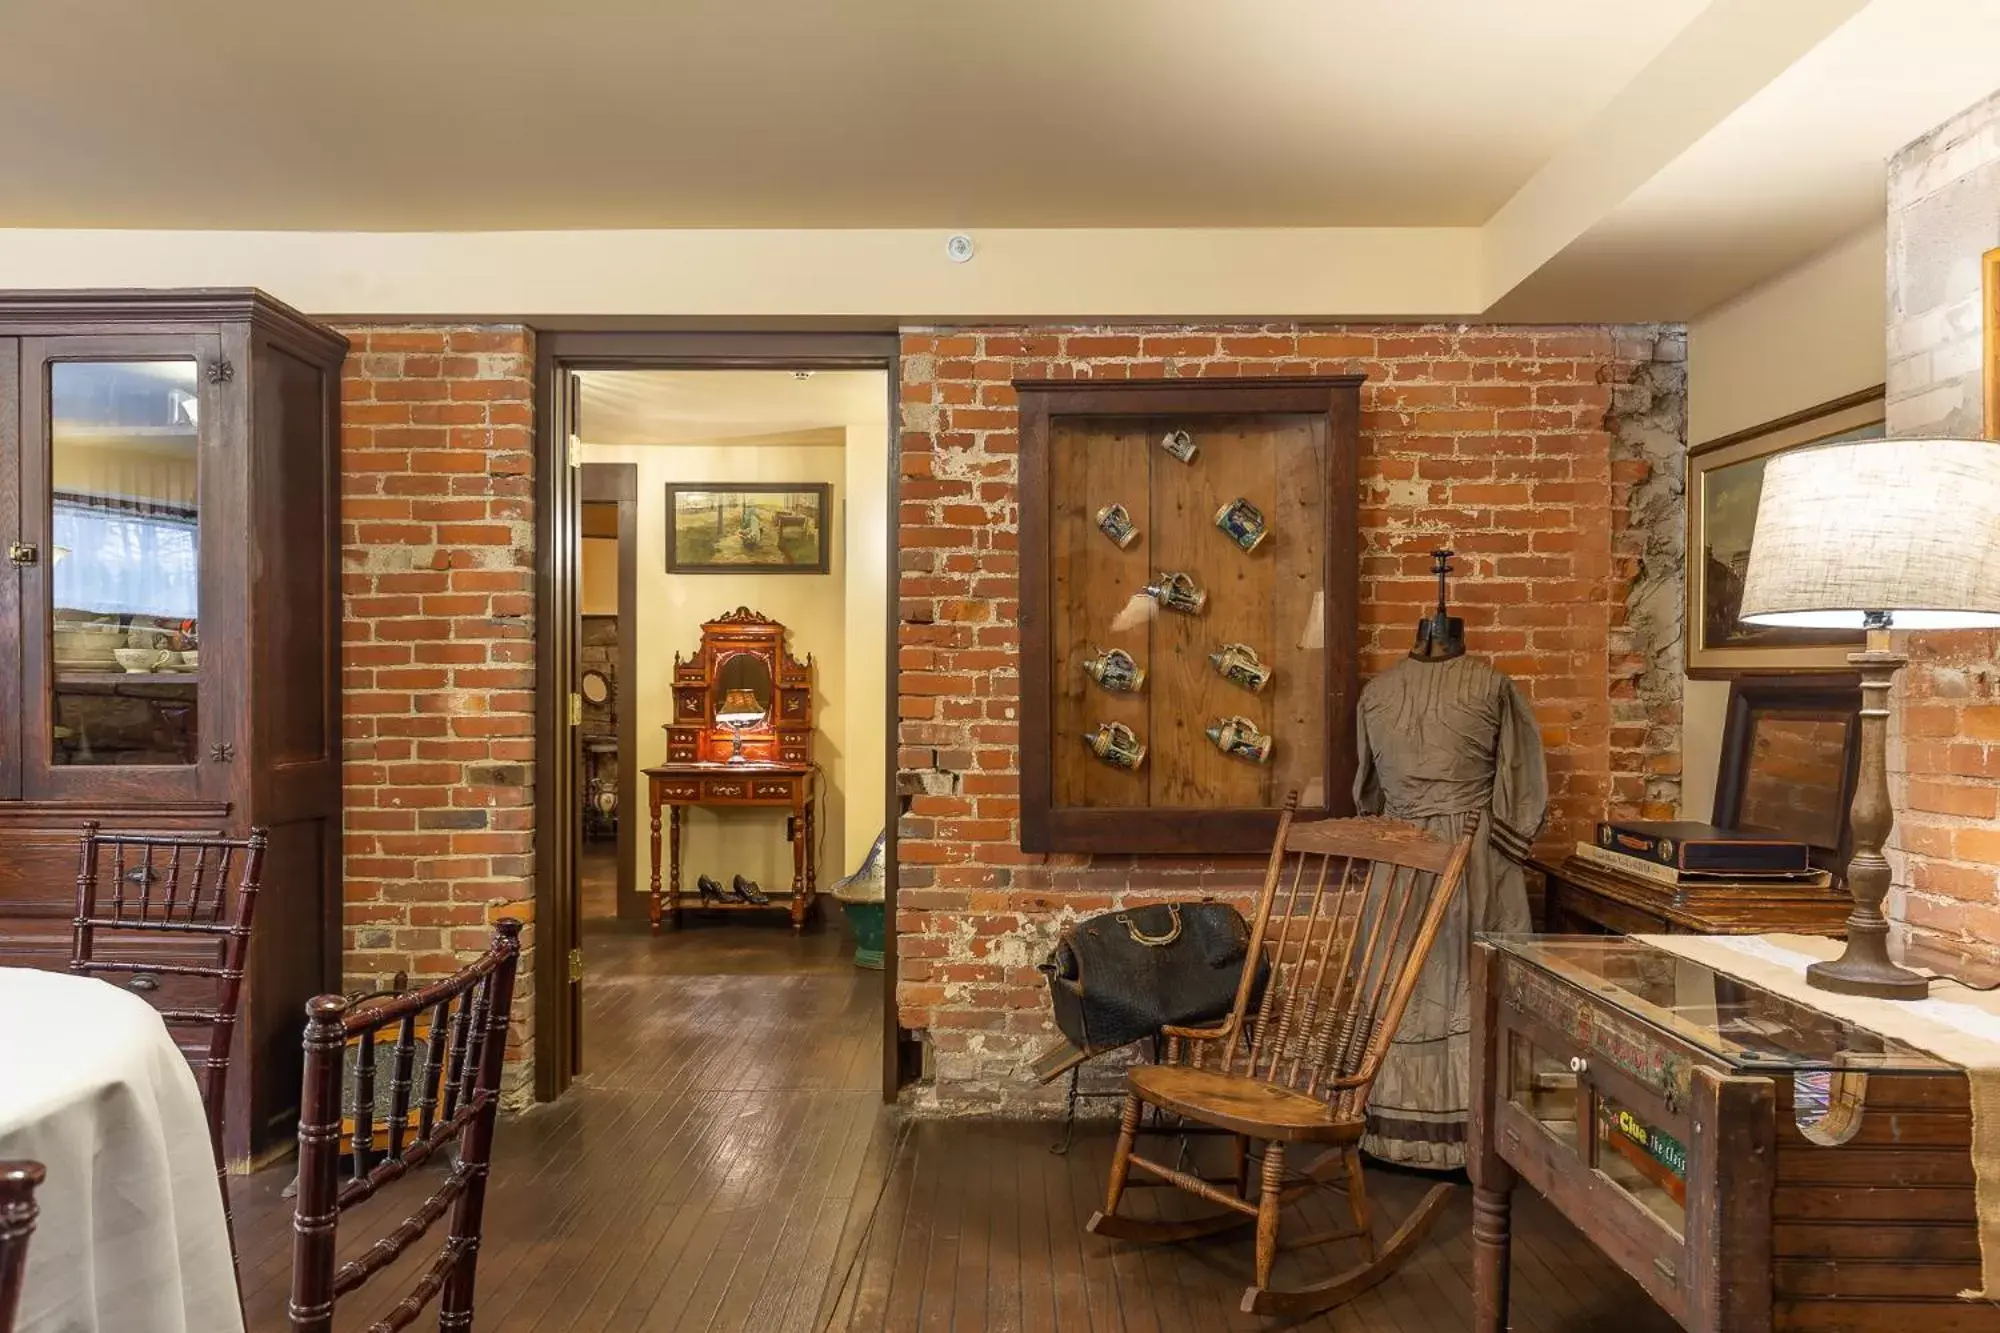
{"x":1865,"y":968}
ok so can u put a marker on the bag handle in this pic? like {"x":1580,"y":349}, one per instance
{"x":1153,"y":941}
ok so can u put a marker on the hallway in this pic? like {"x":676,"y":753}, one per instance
{"x":726,"y":1164}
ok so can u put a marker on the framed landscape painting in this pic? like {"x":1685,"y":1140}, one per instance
{"x":1724,"y":485}
{"x":749,"y":527}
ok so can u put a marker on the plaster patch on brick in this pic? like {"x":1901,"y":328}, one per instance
{"x":1647,"y":423}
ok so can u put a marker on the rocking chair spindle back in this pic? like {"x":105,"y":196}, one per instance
{"x":1346,"y":919}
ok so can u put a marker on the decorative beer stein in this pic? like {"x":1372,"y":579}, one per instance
{"x":1181,"y":445}
{"x":1116,"y":744}
{"x":1115,"y":523}
{"x":1239,"y":664}
{"x":1177,"y":592}
{"x":1239,"y":738}
{"x":1115,"y":671}
{"x":1244,"y":523}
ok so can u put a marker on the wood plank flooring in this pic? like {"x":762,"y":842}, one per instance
{"x":726,"y":1164}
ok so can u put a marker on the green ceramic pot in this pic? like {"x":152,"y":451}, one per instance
{"x":866,"y":921}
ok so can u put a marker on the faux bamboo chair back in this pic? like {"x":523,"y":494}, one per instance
{"x":17,"y":1220}
{"x":448,"y":1045}
{"x":1347,"y":915}
{"x":199,"y":888}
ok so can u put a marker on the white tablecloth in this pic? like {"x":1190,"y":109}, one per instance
{"x":131,"y":1237}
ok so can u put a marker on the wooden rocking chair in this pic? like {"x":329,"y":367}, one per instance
{"x":1346,"y":927}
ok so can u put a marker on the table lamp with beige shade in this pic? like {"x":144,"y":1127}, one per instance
{"x":1877,"y":535}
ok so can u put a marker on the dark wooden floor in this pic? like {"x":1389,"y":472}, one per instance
{"x":726,"y":1164}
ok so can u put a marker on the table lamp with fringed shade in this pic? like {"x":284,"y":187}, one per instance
{"x":1876,"y":535}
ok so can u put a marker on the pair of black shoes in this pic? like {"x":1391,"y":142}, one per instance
{"x":740,"y":890}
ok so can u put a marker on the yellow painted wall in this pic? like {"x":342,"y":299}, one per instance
{"x":1809,"y":335}
{"x":600,"y":576}
{"x":839,"y":618}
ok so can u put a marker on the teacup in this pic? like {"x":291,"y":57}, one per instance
{"x":191,"y":659}
{"x":137,"y":660}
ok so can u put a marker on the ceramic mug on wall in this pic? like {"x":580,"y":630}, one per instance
{"x":1177,"y":592}
{"x":1117,"y":745}
{"x":1239,"y":738}
{"x":1239,"y":664}
{"x":1115,"y":671}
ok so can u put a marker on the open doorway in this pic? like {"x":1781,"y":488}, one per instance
{"x":720,"y":501}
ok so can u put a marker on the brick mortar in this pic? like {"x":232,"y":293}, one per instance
{"x":1537,"y":451}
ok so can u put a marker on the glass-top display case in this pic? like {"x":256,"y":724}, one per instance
{"x":1744,"y":1026}
{"x":1749,"y":1160}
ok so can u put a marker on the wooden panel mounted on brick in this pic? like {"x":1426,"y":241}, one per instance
{"x":1288,"y":447}
{"x":1101,"y":464}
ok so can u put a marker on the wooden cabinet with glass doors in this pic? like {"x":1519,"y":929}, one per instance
{"x":170,"y":626}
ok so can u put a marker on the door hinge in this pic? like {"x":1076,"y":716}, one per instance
{"x":576,"y":451}
{"x":575,"y":709}
{"x":576,"y":965}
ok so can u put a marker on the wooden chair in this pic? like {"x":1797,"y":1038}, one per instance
{"x":17,"y":1220}
{"x":198,"y":888}
{"x":1347,"y":915}
{"x":457,"y":1093}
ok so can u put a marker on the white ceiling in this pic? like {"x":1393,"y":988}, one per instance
{"x":706,"y":160}
{"x":470,"y":114}
{"x":729,"y":407}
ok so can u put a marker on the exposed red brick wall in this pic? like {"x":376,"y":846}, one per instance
{"x":1945,"y":775}
{"x":1499,"y":438}
{"x":1949,"y":708}
{"x":437,"y":567}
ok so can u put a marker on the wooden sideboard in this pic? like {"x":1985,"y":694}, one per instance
{"x":673,"y":788}
{"x":1718,"y":1142}
{"x":741,"y":738}
{"x":1583,"y":899}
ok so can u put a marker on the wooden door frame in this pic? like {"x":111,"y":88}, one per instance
{"x":557,"y":353}
{"x":618,"y":484}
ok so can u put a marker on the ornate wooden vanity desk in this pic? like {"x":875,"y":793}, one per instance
{"x":741,"y":736}
{"x":1751,"y":1162}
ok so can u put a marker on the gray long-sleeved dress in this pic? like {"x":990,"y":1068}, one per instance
{"x":1448,"y":745}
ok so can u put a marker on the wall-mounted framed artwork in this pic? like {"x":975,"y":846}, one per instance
{"x":1990,"y":302}
{"x":1724,"y":484}
{"x":1189,"y":610}
{"x":733,"y":527}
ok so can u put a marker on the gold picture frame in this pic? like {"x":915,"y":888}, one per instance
{"x":1724,"y":481}
{"x":1990,"y":299}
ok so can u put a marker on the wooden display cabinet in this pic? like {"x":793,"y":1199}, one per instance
{"x":170,"y":630}
{"x":1288,"y":448}
{"x":1751,"y":1162}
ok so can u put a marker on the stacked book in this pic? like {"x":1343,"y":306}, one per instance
{"x":1682,"y":853}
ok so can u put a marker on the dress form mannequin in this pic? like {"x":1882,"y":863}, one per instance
{"x":1449,"y":743}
